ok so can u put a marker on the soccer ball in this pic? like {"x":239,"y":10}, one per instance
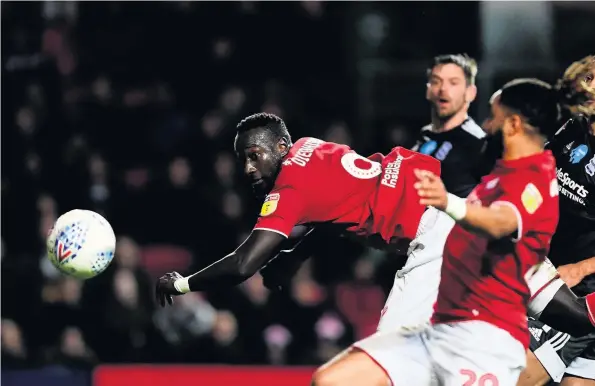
{"x":81,"y":244}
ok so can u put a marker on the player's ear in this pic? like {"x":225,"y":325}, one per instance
{"x":471,"y":93}
{"x":282,"y":145}
{"x":515,"y":124}
{"x":428,"y":91}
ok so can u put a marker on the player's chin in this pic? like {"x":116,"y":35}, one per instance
{"x":260,"y":190}
{"x":445,"y":113}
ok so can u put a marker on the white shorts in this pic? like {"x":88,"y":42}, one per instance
{"x":411,"y":300}
{"x":455,"y":354}
{"x":582,"y":367}
{"x":415,"y":289}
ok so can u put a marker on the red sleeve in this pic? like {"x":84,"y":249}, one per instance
{"x":522,"y":194}
{"x":591,"y":307}
{"x":281,"y":211}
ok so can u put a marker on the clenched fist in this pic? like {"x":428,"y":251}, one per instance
{"x":431,"y":190}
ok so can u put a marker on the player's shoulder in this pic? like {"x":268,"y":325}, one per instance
{"x":307,"y":156}
{"x":474,"y":131}
{"x":302,"y":150}
{"x":538,"y":183}
{"x":427,"y":129}
{"x":311,"y":148}
{"x":468,"y":135}
{"x":545,"y":165}
{"x":311,"y":144}
{"x":539,"y":165}
{"x":537,"y":172}
{"x":302,"y":141}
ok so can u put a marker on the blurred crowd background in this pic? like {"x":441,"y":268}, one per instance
{"x":129,"y":109}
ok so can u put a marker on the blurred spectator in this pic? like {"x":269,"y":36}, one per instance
{"x":399,"y":136}
{"x":232,"y":100}
{"x":26,"y":121}
{"x":14,"y":352}
{"x":118,"y":307}
{"x":61,"y":307}
{"x":225,"y":169}
{"x":255,"y":311}
{"x":131,"y":325}
{"x":212,"y":125}
{"x":231,"y":205}
{"x":99,"y":190}
{"x":71,"y":351}
{"x":102,"y":90}
{"x":177,"y":196}
{"x":331,"y":334}
{"x":224,"y":344}
{"x":272,"y":107}
{"x":222,"y":48}
{"x":46,"y":206}
{"x":360,"y":300}
{"x":277,"y":338}
{"x":339,"y":133}
{"x":190,"y":318}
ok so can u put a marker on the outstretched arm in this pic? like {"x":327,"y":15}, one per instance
{"x":260,"y":247}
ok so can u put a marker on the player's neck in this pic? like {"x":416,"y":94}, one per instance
{"x":439,"y":125}
{"x":522,"y":150}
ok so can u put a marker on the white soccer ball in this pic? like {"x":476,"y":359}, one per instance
{"x":81,"y":244}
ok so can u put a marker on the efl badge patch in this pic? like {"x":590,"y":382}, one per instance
{"x":531,"y":198}
{"x":270,"y":204}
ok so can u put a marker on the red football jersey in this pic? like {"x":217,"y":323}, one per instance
{"x":485,"y":279}
{"x":323,"y":182}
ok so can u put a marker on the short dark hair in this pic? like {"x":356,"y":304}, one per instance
{"x":464,"y":61}
{"x":535,"y":100}
{"x":272,"y":123}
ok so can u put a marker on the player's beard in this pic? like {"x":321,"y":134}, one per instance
{"x":495,"y":145}
{"x":445,"y":115}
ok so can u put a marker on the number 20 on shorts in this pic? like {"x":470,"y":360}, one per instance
{"x":472,"y":379}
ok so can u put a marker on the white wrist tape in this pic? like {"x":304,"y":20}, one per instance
{"x":543,"y":285}
{"x":182,"y":285}
{"x":456,"y":207}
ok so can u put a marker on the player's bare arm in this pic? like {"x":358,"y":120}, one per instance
{"x":496,"y":221}
{"x":572,"y":274}
{"x":259,"y":248}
